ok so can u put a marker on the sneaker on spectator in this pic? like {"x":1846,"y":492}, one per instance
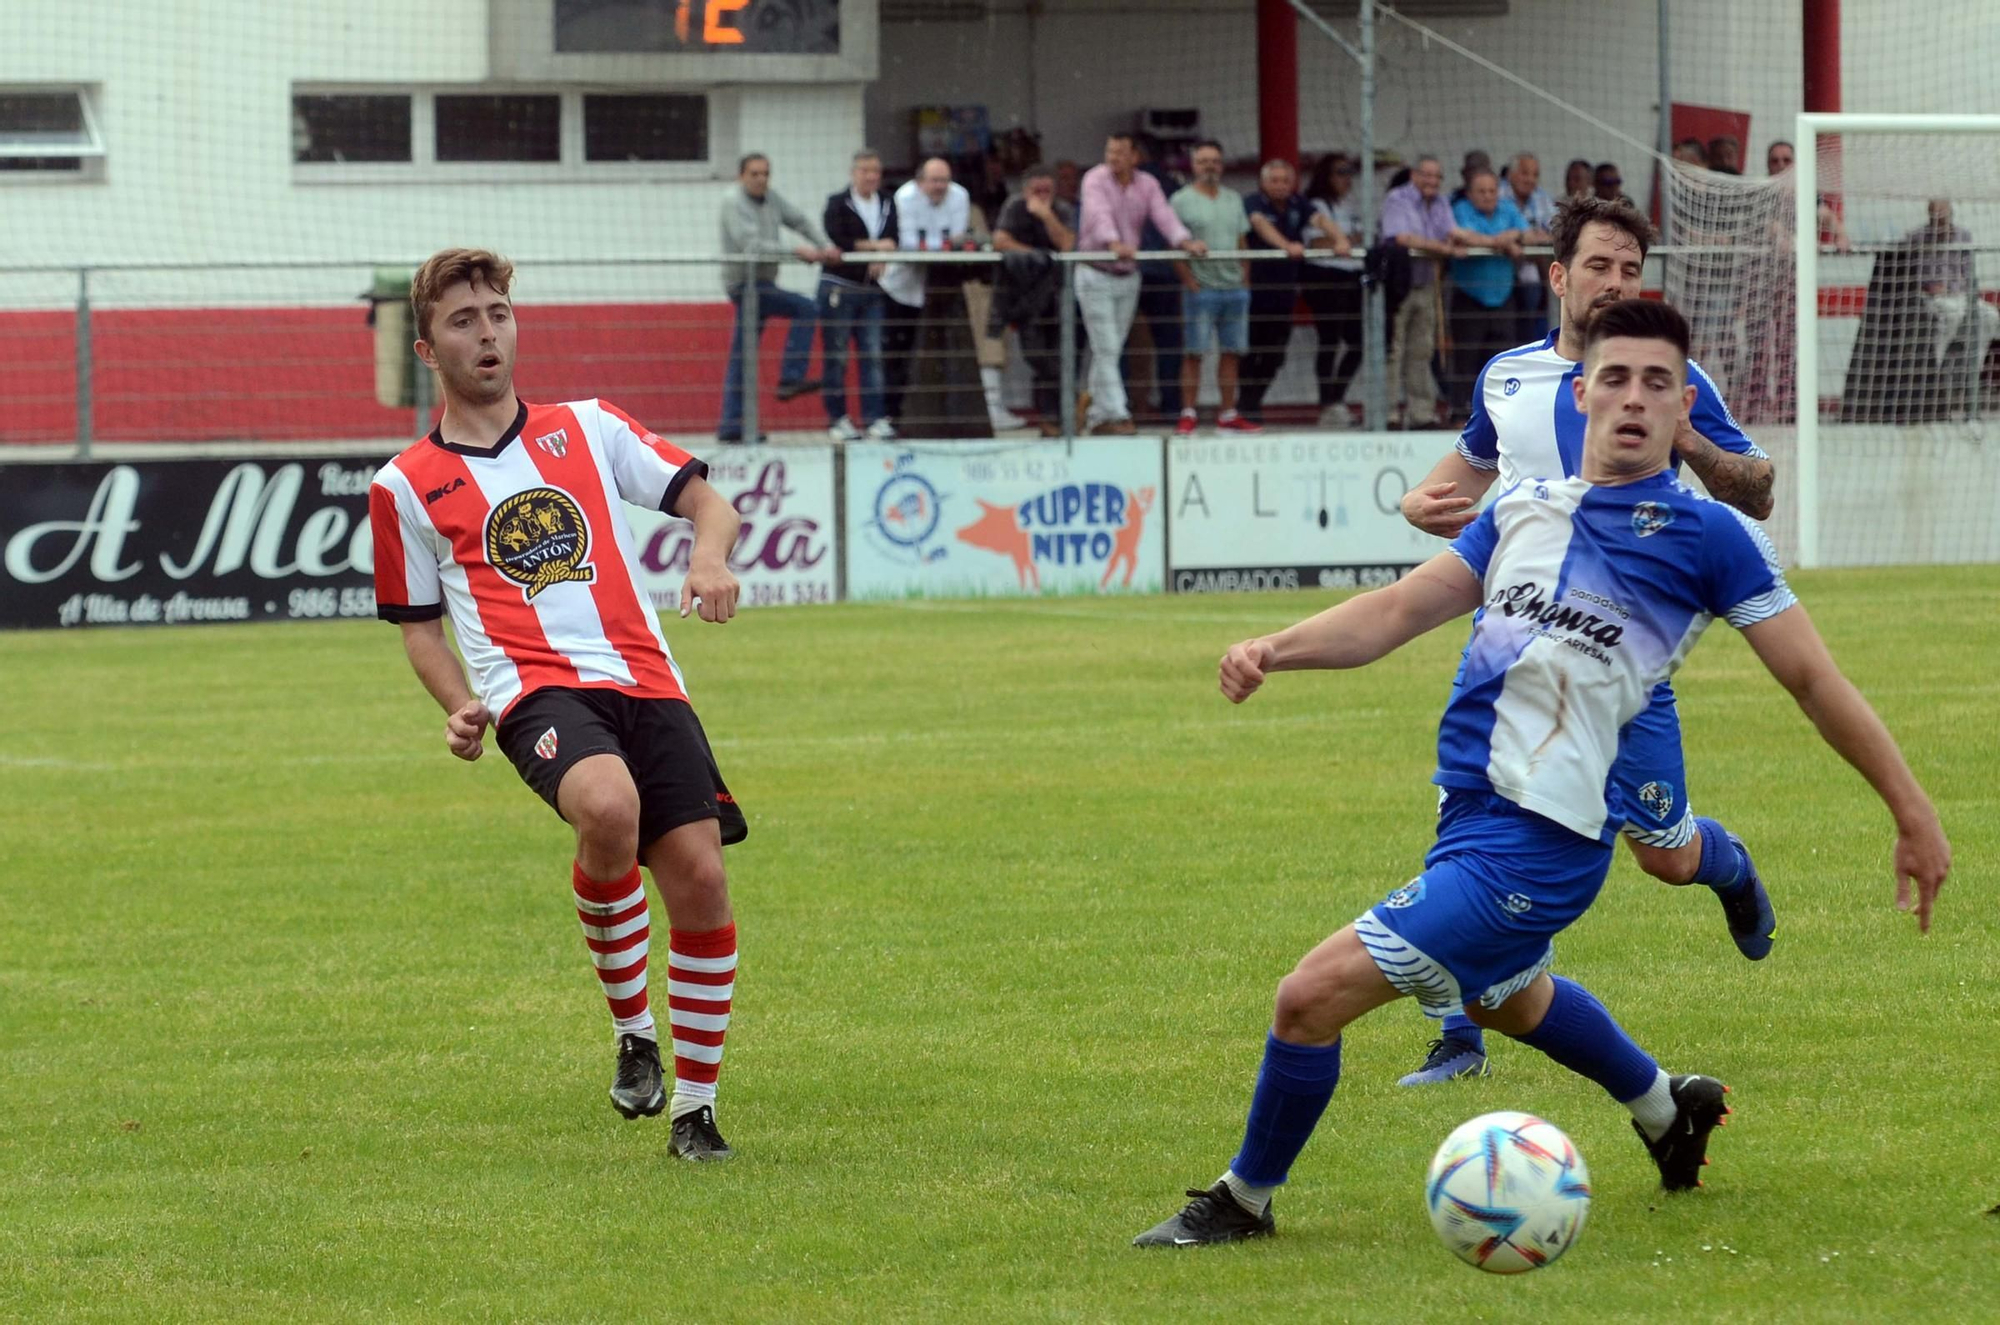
{"x":881,"y":431}
{"x":1231,"y":421}
{"x":1336,"y":416}
{"x":843,"y":430}
{"x":1189,"y":422}
{"x":1115,"y":428}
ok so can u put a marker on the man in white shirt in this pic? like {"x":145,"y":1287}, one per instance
{"x":932,"y":214}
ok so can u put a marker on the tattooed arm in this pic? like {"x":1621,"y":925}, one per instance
{"x":1742,"y":481}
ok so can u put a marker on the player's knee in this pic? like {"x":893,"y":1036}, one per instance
{"x":1304,"y":1008}
{"x":607,"y":818}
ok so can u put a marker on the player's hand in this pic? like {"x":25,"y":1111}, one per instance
{"x":463,"y":729}
{"x":1435,"y":511}
{"x":1923,"y":858}
{"x":714,"y":587}
{"x":1243,"y":668}
{"x":1687,"y":441}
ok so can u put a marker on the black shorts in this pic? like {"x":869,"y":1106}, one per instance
{"x":660,"y":740}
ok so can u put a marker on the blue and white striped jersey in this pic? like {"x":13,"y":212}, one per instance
{"x":1594,"y":595}
{"x":1525,"y":422}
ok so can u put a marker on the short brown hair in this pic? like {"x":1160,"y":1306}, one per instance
{"x":443,"y":270}
{"x":1574,"y":213}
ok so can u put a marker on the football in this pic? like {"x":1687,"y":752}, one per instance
{"x":1507,"y":1192}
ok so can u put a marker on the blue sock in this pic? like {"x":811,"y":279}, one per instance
{"x":1458,"y":1026}
{"x":1724,"y":865}
{"x":1293,"y":1087}
{"x":1580,"y":1034}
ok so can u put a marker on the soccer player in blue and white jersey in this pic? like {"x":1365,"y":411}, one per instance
{"x":1525,"y":422}
{"x":1589,"y":591}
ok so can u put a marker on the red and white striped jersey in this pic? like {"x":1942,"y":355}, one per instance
{"x":525,"y":543}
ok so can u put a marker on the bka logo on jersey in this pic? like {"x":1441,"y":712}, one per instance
{"x":1512,"y":385}
{"x":546,"y":746}
{"x":1658,"y":800}
{"x":1650,"y":517}
{"x":444,"y":491}
{"x":537,"y":538}
{"x":1408,"y":895}
{"x":555,"y":443}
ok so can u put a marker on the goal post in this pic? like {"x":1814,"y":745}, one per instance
{"x":1824,"y":167}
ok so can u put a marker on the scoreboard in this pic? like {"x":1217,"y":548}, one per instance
{"x":692,"y":27}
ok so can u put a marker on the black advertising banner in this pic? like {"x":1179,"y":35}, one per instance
{"x":169,"y":542}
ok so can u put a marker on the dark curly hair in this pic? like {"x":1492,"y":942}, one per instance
{"x":1573,"y":214}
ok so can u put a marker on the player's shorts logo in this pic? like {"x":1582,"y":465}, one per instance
{"x":1408,"y":895}
{"x":1650,"y":517}
{"x":555,"y":443}
{"x":1512,"y":385}
{"x":1658,"y":800}
{"x":537,"y":538}
{"x":1516,"y":904}
{"x":546,"y":746}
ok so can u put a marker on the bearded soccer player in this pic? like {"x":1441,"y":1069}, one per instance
{"x":1525,"y":422}
{"x":508,"y":515}
{"x":1589,"y":591}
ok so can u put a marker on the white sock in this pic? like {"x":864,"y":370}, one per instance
{"x":1187,"y":412}
{"x":1654,"y":1111}
{"x":1227,"y":414}
{"x":1253,"y":1198}
{"x":689,"y":1096}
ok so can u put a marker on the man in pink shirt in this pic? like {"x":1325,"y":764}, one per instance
{"x":1118,"y":200}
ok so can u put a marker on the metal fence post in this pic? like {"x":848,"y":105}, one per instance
{"x":84,"y":422}
{"x":1066,"y":343}
{"x":1374,"y":335}
{"x":747,"y":351}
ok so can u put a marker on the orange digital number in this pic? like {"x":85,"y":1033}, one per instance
{"x":714,"y":31}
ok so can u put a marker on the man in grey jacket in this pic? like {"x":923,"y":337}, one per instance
{"x":754,"y":218}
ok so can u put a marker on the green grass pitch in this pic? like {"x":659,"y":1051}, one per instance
{"x":296,"y":1023}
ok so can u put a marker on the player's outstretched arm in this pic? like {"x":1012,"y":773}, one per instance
{"x":1358,"y":631}
{"x":716,"y":525}
{"x":1791,"y":648}
{"x":1442,"y":504}
{"x":438,"y":668}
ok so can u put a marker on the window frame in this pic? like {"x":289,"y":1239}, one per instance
{"x":91,"y":157}
{"x":423,"y":167}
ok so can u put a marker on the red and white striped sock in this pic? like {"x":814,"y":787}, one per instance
{"x":701,"y":981}
{"x":617,"y":930}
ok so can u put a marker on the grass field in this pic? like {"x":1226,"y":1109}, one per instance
{"x":296,"y":1022}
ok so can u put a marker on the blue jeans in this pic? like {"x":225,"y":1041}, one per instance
{"x":850,"y":312}
{"x":771,"y":302}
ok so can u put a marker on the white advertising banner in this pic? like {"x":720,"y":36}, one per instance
{"x":784,"y":554}
{"x":1296,"y":512}
{"x":956,"y":519}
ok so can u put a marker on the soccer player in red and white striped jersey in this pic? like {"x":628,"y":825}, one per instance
{"x":508,"y":516}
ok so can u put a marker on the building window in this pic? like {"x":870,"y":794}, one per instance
{"x":50,"y":132}
{"x":343,"y":127}
{"x":663,"y":126}
{"x":507,"y":127}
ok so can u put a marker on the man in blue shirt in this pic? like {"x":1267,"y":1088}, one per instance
{"x":1482,"y":286}
{"x":1525,"y":424}
{"x":1588,"y":592}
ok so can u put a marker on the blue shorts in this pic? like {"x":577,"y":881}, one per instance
{"x":1216,"y":318}
{"x":1648,"y":784}
{"x":1498,"y":885}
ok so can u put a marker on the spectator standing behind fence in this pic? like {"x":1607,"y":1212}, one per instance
{"x":1482,"y":285}
{"x":1725,"y":155}
{"x":1608,"y":184}
{"x":1280,"y":218}
{"x":858,"y":219}
{"x":1028,"y":289}
{"x":1117,"y":202}
{"x":1415,"y":217}
{"x":1069,"y":183}
{"x":932,"y":213}
{"x":1578,"y":178}
{"x":1531,"y":276}
{"x":1332,"y":286}
{"x":1689,"y":150}
{"x":1216,"y":304}
{"x":754,"y":218}
{"x":1948,"y":278}
{"x":1160,"y":312}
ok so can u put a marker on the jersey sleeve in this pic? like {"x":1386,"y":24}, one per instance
{"x":1741,"y":579}
{"x":650,"y":470}
{"x":1712,"y":419}
{"x":1475,"y":543}
{"x":1479,"y":442}
{"x":406,"y":570}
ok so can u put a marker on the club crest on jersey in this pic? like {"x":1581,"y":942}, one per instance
{"x":546,"y":746}
{"x":555,"y":443}
{"x":1650,"y":517}
{"x":1512,"y":385}
{"x":1658,"y":800}
{"x":537,"y":538}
